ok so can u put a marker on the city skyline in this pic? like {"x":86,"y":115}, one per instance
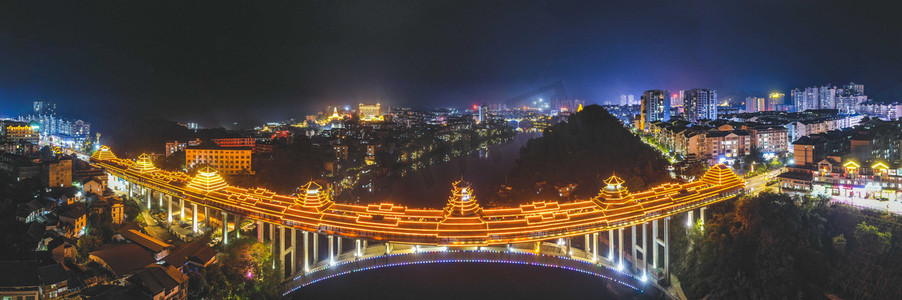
{"x":423,"y":55}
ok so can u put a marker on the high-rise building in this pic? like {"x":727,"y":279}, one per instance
{"x":370,"y":112}
{"x":754,"y":104}
{"x":676,"y":100}
{"x":44,"y":108}
{"x":655,"y":107}
{"x":774,"y":101}
{"x":483,"y":113}
{"x":623,"y":100}
{"x":827,"y":97}
{"x":700,"y":104}
{"x":631,"y":99}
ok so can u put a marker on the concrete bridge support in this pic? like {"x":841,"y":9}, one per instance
{"x":169,"y":209}
{"x":194,"y":217}
{"x":289,"y":264}
{"x":331,"y":250}
{"x":639,"y":246}
{"x":315,"y":246}
{"x":225,"y":227}
{"x":595,"y":247}
{"x":306,"y":252}
{"x":181,"y":209}
{"x":259,"y":231}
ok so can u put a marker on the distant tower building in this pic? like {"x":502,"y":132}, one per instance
{"x":855,"y":89}
{"x":676,"y":100}
{"x":754,"y":104}
{"x":483,"y":113}
{"x":655,"y":107}
{"x":623,"y":100}
{"x":631,"y":99}
{"x":827,"y":97}
{"x":700,"y":104}
{"x":774,"y":101}
{"x":798,"y":99}
{"x":44,"y":108}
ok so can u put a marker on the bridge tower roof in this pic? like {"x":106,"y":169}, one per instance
{"x":462,"y":202}
{"x":207,"y":180}
{"x":614,"y":192}
{"x":719,"y":174}
{"x":143,"y":165}
{"x":313,"y":195}
{"x":104,"y":153}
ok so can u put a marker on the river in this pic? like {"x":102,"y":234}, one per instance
{"x":486,"y":170}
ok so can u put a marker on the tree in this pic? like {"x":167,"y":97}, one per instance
{"x":870,"y":239}
{"x":244,"y":270}
{"x":839,"y":242}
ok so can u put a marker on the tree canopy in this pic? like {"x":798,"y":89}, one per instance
{"x":776,"y":246}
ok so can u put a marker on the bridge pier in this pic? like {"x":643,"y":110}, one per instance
{"x":586,"y":244}
{"x":338,"y":247}
{"x":611,"y":245}
{"x":639,"y":249}
{"x":237,"y":226}
{"x":225,"y":226}
{"x":620,"y":249}
{"x":595,"y":247}
{"x":169,"y":209}
{"x":161,"y":200}
{"x":306,"y":252}
{"x":315,"y":247}
{"x":147,"y":196}
{"x":206,"y":216}
{"x":181,"y":210}
{"x":194,"y":217}
{"x":359,"y":251}
{"x":290,"y":262}
{"x":387,"y":248}
{"x":260,"y":231}
{"x":331,"y":250}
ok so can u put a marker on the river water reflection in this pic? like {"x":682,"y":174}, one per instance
{"x":430,"y":186}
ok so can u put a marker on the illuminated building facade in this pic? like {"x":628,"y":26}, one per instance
{"x":700,"y":104}
{"x":57,"y":173}
{"x":341,"y":152}
{"x":370,"y":112}
{"x":775,"y":101}
{"x":655,"y":107}
{"x":235,"y":142}
{"x":770,"y":138}
{"x":754,"y":104}
{"x":173,"y":147}
{"x":230,"y":161}
{"x":22,"y":132}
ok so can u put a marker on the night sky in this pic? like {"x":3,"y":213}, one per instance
{"x":221,"y":61}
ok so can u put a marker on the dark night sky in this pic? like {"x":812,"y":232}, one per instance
{"x":224,"y":61}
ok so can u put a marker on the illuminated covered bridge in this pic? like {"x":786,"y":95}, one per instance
{"x":538,"y":233}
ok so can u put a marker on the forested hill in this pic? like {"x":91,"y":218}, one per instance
{"x":586,"y":149}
